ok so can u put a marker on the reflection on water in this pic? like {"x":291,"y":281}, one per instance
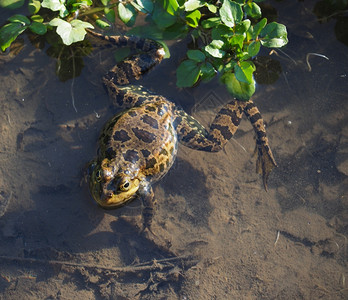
{"x":233,"y":239}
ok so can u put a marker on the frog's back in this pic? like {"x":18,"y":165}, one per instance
{"x":143,"y":137}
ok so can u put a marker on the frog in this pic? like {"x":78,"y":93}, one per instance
{"x":138,"y":146}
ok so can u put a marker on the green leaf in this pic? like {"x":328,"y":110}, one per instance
{"x":208,"y":71}
{"x":212,"y":8}
{"x":145,"y":6}
{"x":37,"y":18}
{"x":254,"y":48}
{"x":34,"y":6}
{"x":56,"y":5}
{"x":38,"y":28}
{"x":53,"y":5}
{"x":231,"y":13}
{"x":171,"y":6}
{"x":196,"y":55}
{"x":176,"y":31}
{"x":162,"y":18}
{"x":121,"y":53}
{"x":221,"y":31}
{"x":110,"y":15}
{"x":127,"y":13}
{"x":71,"y":32}
{"x":228,"y":67}
{"x":244,"y":71}
{"x":19,"y":19}
{"x":252,"y":10}
{"x":85,"y":2}
{"x":242,"y":27}
{"x":193,"y":18}
{"x":211,"y":22}
{"x":237,"y":40}
{"x":258,"y":27}
{"x":191,"y":5}
{"x":187,"y":73}
{"x":274,"y":35}
{"x":105,"y":2}
{"x":214,"y":49}
{"x":11,"y":4}
{"x":241,"y":90}
{"x":151,"y":32}
{"x":9,"y":33}
{"x":102,"y":24}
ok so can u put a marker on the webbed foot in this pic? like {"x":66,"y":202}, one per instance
{"x":265,"y":162}
{"x":161,"y":243}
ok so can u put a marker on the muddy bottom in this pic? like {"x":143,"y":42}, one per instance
{"x":218,"y":233}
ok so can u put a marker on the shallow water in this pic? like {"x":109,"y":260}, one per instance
{"x":233,"y":240}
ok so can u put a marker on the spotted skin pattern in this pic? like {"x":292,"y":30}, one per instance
{"x":138,"y":146}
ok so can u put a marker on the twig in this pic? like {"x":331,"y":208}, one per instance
{"x":8,"y":119}
{"x":314,"y":54}
{"x":277,"y":238}
{"x":147,"y":266}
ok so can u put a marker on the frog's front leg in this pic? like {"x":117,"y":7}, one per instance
{"x":148,"y":200}
{"x":193,"y":135}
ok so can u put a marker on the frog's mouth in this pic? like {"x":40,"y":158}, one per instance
{"x":111,"y":193}
{"x":112,"y":200}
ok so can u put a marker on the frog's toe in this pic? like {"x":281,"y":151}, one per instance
{"x":265,"y":163}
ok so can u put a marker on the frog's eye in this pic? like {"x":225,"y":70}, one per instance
{"x":124,"y":186}
{"x":98,"y":176}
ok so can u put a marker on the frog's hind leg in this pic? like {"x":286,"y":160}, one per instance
{"x":193,"y":135}
{"x":134,"y":67}
{"x":119,"y":79}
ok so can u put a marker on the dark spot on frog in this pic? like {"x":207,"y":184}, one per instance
{"x":150,"y":121}
{"x":150,"y":108}
{"x":140,"y":101}
{"x":161,"y":167}
{"x":224,"y":130}
{"x":145,"y":152}
{"x":144,"y":135}
{"x":121,"y":135}
{"x":131,"y":156}
{"x":164,"y":152}
{"x":188,"y":136}
{"x":110,"y":153}
{"x":177,"y":121}
{"x":151,"y":163}
{"x":132,"y":113}
{"x":140,"y":44}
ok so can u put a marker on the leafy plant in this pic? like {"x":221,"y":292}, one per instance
{"x":226,"y":35}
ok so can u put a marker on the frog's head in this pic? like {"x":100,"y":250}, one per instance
{"x":110,"y":186}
